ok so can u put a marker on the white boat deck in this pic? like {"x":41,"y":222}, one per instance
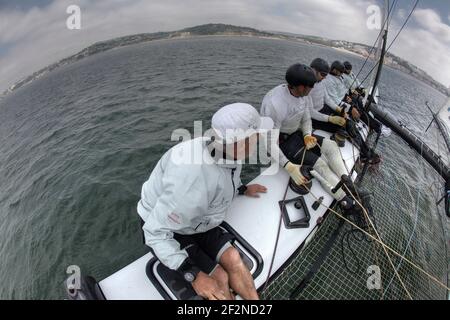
{"x":256,"y":220}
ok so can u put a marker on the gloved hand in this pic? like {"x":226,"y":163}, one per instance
{"x":338,"y":110}
{"x":355,"y":114}
{"x":294,"y":172}
{"x":310,"y":142}
{"x":340,"y":121}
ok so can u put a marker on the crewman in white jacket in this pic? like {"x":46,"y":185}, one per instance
{"x":187,"y":197}
{"x":350,"y":80}
{"x":322,"y":120}
{"x":335,"y":90}
{"x":289,"y":107}
{"x":341,"y":115}
{"x":358,"y":93}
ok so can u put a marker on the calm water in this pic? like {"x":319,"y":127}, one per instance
{"x":76,"y":145}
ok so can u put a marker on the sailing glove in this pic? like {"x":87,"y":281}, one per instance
{"x":294,"y":172}
{"x":340,"y":121}
{"x":310,"y":142}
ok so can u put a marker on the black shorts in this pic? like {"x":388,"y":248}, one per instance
{"x":293,"y":148}
{"x":206,"y":249}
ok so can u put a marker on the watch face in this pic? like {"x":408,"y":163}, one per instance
{"x":189,"y":277}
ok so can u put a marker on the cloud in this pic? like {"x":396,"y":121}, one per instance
{"x":431,"y":21}
{"x":426,"y":45}
{"x":37,"y":36}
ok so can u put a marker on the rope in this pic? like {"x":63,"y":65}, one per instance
{"x":379,"y":237}
{"x":367,"y":218}
{"x":413,"y":231}
{"x":384,"y":245}
{"x":351,"y":231}
{"x":279,"y":229}
{"x":276,"y":243}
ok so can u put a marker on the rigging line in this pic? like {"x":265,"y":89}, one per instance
{"x":379,"y":237}
{"x":398,"y":33}
{"x":404,"y":24}
{"x":374,"y":45}
{"x":413,"y":231}
{"x":346,"y":168}
{"x":367,"y":218}
{"x":385,"y":247}
{"x":376,"y":40}
{"x":276,"y":243}
{"x":392,"y":15}
{"x":279,"y":226}
{"x":382,"y":244}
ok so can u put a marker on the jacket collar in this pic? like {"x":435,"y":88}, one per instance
{"x":218,"y":159}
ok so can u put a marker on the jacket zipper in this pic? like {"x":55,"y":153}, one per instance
{"x":232,"y":180}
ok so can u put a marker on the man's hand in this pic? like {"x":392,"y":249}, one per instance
{"x":340,"y":121}
{"x":310,"y":142}
{"x":294,"y":172}
{"x":254,"y":189}
{"x":207,"y":287}
{"x":355,"y":114}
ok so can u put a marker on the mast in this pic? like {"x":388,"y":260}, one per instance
{"x":388,"y":120}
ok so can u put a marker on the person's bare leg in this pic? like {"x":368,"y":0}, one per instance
{"x":240,"y":279}
{"x":221,"y":276}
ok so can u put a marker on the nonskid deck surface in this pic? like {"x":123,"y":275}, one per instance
{"x":255,"y":219}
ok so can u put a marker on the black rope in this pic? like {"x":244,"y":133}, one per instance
{"x":276,"y":243}
{"x":318,"y":263}
{"x":354,"y":232}
{"x":392,"y":15}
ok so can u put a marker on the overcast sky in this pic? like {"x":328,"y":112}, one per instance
{"x":33,"y":33}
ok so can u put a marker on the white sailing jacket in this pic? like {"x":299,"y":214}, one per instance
{"x":351,"y":81}
{"x":335,"y":91}
{"x":288,"y":113}
{"x":185,"y":198}
{"x":317,"y":95}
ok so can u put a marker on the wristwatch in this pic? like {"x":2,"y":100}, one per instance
{"x":242,"y":189}
{"x":188,"y":270}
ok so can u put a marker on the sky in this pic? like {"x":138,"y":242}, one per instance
{"x":33,"y":33}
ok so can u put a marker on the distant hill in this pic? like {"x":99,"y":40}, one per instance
{"x":229,"y":30}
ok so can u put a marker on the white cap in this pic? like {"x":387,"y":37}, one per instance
{"x":238,"y":121}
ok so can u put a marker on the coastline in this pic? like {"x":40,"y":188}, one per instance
{"x":190,"y":33}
